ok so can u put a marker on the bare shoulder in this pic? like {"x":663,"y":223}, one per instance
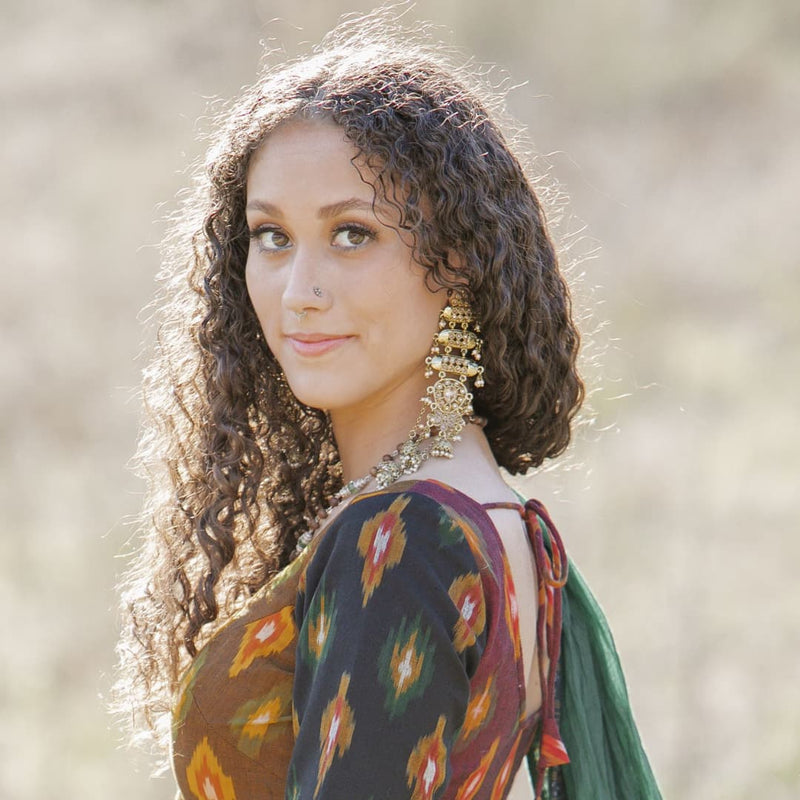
{"x":473,"y":471}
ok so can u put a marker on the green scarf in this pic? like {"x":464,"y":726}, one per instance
{"x":607,"y":760}
{"x":606,"y":757}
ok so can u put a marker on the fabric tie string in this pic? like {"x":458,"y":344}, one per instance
{"x":552,"y":569}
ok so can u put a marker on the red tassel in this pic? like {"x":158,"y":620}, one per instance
{"x":553,"y":752}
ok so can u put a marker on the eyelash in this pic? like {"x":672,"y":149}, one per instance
{"x":365,"y":231}
{"x":255,"y":233}
{"x":358,"y":228}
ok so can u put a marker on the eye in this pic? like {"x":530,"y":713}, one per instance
{"x":270,"y":238}
{"x":351,"y":236}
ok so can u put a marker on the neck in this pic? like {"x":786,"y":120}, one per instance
{"x":363,"y":438}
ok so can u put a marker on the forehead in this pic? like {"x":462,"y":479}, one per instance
{"x":313,"y":162}
{"x":306,"y":146}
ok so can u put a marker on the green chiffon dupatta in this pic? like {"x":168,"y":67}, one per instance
{"x":607,"y":760}
{"x":606,"y":757}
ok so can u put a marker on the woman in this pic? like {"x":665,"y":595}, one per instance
{"x":326,"y":613}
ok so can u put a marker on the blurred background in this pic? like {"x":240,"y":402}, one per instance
{"x":672,"y":128}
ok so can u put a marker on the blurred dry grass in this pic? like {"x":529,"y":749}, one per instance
{"x":673,"y":128}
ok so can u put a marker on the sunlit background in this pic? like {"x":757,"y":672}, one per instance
{"x":672,"y":127}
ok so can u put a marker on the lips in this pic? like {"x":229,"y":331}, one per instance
{"x":315,"y":344}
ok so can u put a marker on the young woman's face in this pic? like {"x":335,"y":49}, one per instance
{"x":343,"y":305}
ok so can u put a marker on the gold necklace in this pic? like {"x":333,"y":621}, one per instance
{"x":406,"y":459}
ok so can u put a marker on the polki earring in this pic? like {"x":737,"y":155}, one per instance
{"x":455,"y":356}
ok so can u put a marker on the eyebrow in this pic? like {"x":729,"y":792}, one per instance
{"x":326,"y":212}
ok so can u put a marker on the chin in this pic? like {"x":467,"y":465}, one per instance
{"x":319,"y":394}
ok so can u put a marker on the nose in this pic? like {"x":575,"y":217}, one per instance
{"x":304,"y":288}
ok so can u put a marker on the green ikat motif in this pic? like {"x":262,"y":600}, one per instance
{"x":454,"y":529}
{"x":263,"y":719}
{"x":185,"y":691}
{"x":405,"y":665}
{"x":319,"y":628}
{"x":450,"y":532}
{"x":292,"y":787}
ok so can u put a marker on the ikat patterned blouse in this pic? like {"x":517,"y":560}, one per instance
{"x":384,"y":663}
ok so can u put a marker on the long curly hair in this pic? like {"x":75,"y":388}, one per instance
{"x":237,"y":467}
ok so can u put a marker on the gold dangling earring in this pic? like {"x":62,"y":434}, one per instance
{"x":449,"y":400}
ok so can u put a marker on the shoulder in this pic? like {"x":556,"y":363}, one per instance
{"x":413,"y":520}
{"x":401,"y":554}
{"x":400,"y":541}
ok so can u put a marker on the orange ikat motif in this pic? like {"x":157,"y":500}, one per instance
{"x":466,"y":593}
{"x":205,"y":776}
{"x":381,"y":545}
{"x":479,"y":710}
{"x":473,"y":783}
{"x":501,"y":781}
{"x":264,"y":719}
{"x":476,"y":543}
{"x":427,"y":764}
{"x":335,"y":730}
{"x":511,"y":608}
{"x":264,"y":637}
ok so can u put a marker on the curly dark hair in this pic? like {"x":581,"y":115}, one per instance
{"x":237,"y":466}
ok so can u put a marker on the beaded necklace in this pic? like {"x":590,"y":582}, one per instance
{"x":406,"y":459}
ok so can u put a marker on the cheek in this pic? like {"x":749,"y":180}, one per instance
{"x":262,"y":299}
{"x":259,"y":291}
{"x":415,"y":323}
{"x":426,"y":309}
{"x":252,"y":286}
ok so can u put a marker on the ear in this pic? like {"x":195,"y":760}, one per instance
{"x":452,"y":272}
{"x":455,"y":268}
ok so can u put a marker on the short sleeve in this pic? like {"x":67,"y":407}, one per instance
{"x":391,"y":622}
